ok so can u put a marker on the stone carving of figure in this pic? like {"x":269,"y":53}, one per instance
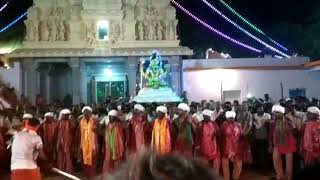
{"x":151,"y":32}
{"x":159,"y":31}
{"x":61,"y":31}
{"x":172,"y":30}
{"x":29,"y":34}
{"x":52,"y":30}
{"x":114,"y":32}
{"x":44,"y":32}
{"x":35,"y":31}
{"x":91,"y":33}
{"x":141,"y":31}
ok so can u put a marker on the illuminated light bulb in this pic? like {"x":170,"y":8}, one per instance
{"x":215,"y":30}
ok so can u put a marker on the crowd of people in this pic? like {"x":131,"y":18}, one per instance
{"x":99,"y":139}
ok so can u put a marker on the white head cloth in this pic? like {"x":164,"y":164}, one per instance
{"x":184,"y":107}
{"x":207,"y":112}
{"x":65,"y":111}
{"x":278,"y":108}
{"x":86,"y":108}
{"x":27,"y":116}
{"x":314,"y":110}
{"x":230,"y":114}
{"x":139,"y":107}
{"x":162,"y":109}
{"x":49,"y":114}
{"x":113,"y":113}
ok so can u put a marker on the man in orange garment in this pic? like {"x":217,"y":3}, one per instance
{"x":161,"y":138}
{"x":88,"y":142}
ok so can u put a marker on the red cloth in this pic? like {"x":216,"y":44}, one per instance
{"x":231,"y":132}
{"x":47,"y":131}
{"x":112,"y":163}
{"x":291,"y":144}
{"x":24,"y":174}
{"x":310,"y":145}
{"x":65,"y":134}
{"x":208,"y":139}
{"x":183,"y":145}
{"x":245,"y":150}
{"x":138,"y":132}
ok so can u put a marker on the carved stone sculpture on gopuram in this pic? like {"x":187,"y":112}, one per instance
{"x":67,"y":24}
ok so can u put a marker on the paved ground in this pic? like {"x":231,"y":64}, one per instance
{"x":246,"y":175}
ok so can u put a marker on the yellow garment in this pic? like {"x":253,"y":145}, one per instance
{"x":87,"y":140}
{"x":161,"y":141}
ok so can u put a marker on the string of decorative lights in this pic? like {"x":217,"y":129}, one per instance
{"x":4,"y":6}
{"x":243,"y":30}
{"x":215,"y":30}
{"x":13,"y":22}
{"x":250,"y":24}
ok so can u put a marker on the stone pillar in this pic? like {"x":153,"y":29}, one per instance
{"x":74,"y":63}
{"x":48,"y":86}
{"x":175,"y":72}
{"x":132,"y":75}
{"x":31,"y":84}
{"x":83,"y":84}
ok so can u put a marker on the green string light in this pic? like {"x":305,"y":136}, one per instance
{"x":250,"y":24}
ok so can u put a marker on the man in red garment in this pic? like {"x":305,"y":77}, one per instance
{"x":88,"y":142}
{"x":208,"y":140}
{"x":231,"y":132}
{"x":46,"y":132}
{"x":310,"y":145}
{"x":138,"y":130}
{"x":184,"y":127}
{"x":282,"y":142}
{"x":65,"y":138}
{"x":115,"y":140}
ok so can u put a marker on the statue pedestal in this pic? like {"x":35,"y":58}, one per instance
{"x":161,"y":95}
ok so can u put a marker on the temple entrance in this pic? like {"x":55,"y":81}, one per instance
{"x":114,"y":89}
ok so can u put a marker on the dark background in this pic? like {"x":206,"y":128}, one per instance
{"x":295,"y":24}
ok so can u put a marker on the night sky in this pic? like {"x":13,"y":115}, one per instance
{"x":277,"y":18}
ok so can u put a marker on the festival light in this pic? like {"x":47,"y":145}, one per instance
{"x":13,"y":22}
{"x":4,"y":6}
{"x":251,"y":25}
{"x":243,"y":30}
{"x":215,"y":30}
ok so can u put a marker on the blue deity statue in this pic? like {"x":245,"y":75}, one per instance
{"x":156,"y":72}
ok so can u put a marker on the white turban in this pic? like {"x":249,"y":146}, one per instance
{"x":162,"y":109}
{"x":49,"y":114}
{"x":184,"y":107}
{"x":278,"y":108}
{"x":27,"y":116}
{"x":230,"y":114}
{"x":119,"y":108}
{"x":86,"y":108}
{"x":65,"y":111}
{"x":207,"y":112}
{"x":139,"y":107}
{"x":113,"y":113}
{"x":314,"y":110}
